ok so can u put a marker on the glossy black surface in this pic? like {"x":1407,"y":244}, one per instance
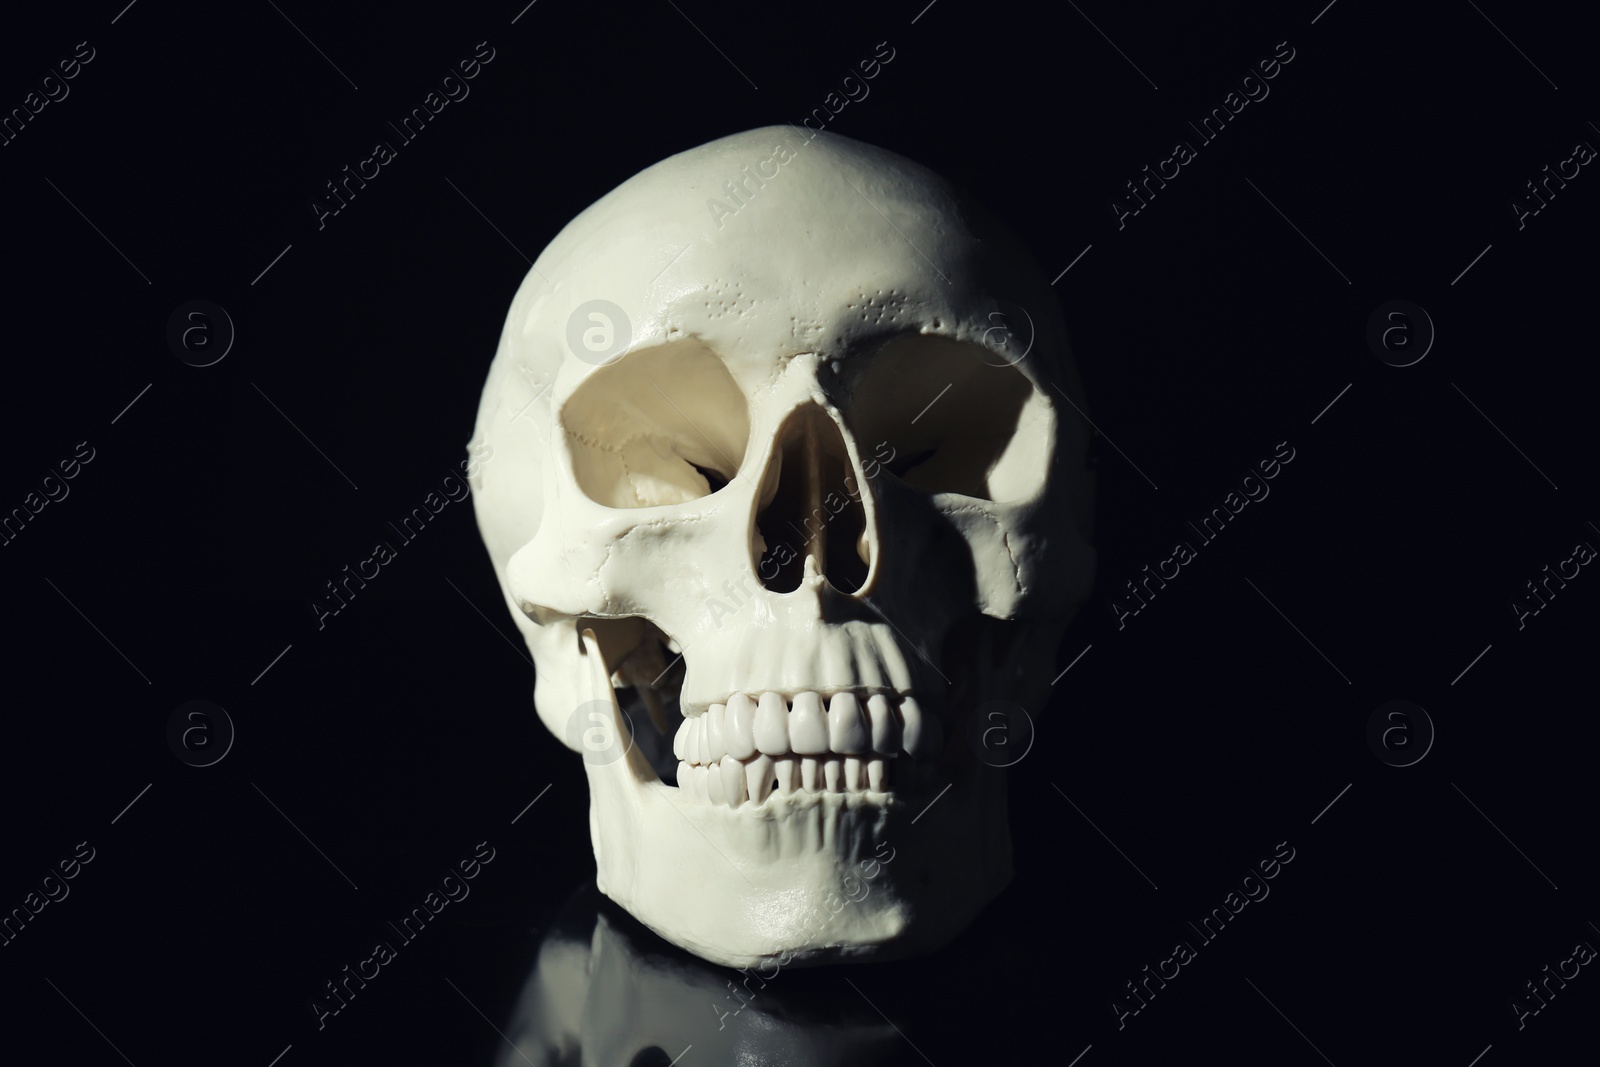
{"x":1226,"y":723}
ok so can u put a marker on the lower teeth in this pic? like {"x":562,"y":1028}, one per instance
{"x":733,"y":782}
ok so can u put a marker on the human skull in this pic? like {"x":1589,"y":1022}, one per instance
{"x":778,"y":453}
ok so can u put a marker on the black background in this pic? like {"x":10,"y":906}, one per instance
{"x":1196,"y":738}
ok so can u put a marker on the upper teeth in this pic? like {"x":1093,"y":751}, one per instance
{"x":774,"y":725}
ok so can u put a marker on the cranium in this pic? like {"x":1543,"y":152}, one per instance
{"x":783,"y":491}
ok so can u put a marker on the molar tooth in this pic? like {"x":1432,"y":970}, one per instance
{"x":853,"y":777}
{"x":731,"y":771}
{"x":758,"y":778}
{"x":787,"y":771}
{"x":714,"y":785}
{"x":696,"y":744}
{"x":685,"y":776}
{"x":847,"y":727}
{"x":715,"y":742}
{"x":701,"y":784}
{"x":808,"y":729}
{"x":772,"y":724}
{"x":680,"y":740}
{"x":830,"y":773}
{"x":738,"y":727}
{"x":885,"y":727}
{"x":808,"y":774}
{"x":875,"y":775}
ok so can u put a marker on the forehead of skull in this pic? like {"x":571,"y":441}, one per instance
{"x":764,"y":245}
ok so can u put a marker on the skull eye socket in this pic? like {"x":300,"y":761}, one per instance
{"x":949,"y":416}
{"x":714,"y":479}
{"x":658,"y":426}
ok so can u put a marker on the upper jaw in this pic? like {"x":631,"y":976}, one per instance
{"x":847,"y":710}
{"x":811,"y":722}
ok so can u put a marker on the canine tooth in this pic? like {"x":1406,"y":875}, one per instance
{"x":685,"y":776}
{"x":808,"y":729}
{"x":738,"y":727}
{"x":714,"y":785}
{"x":875,"y":775}
{"x":808,"y":774}
{"x":772,"y":724}
{"x":731,"y":771}
{"x":853,"y":776}
{"x":885,"y":727}
{"x":787,"y":772}
{"x":919,"y":732}
{"x":830,"y":773}
{"x":680,"y":740}
{"x":847,"y":727}
{"x":715,"y":739}
{"x":758,"y":778}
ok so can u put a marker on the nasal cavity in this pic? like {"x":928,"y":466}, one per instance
{"x":811,"y":507}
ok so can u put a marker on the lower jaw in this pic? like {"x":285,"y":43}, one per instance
{"x":804,"y":878}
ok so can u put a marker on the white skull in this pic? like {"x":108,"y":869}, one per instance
{"x":793,"y":409}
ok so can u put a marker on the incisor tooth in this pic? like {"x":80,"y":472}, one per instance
{"x":697,"y":741}
{"x":808,"y":774}
{"x":787,"y":772}
{"x":830,"y":773}
{"x":847,"y":727}
{"x":853,"y":774}
{"x":738,"y":727}
{"x":772,"y":725}
{"x":716,"y":745}
{"x":758,"y":778}
{"x":885,"y":727}
{"x":731,"y":772}
{"x":875,"y":775}
{"x":808,"y":729}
